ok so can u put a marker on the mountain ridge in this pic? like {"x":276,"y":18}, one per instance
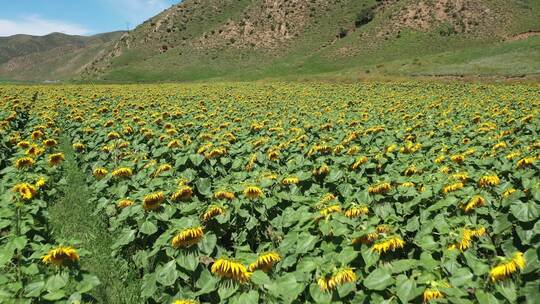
{"x":254,"y":39}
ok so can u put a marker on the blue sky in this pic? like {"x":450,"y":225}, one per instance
{"x":78,"y":17}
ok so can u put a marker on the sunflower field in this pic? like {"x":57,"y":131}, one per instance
{"x":277,"y":192}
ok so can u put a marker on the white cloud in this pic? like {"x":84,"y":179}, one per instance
{"x":35,"y":25}
{"x":137,"y":11}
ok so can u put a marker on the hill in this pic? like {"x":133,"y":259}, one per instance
{"x":243,"y":40}
{"x":51,"y":57}
{"x":256,"y":39}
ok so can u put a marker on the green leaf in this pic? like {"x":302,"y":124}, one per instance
{"x":127,"y":236}
{"x":148,"y":228}
{"x":508,"y":290}
{"x":56,"y":282}
{"x":260,"y":278}
{"x":34,"y":290}
{"x":306,"y":243}
{"x":405,"y":289}
{"x":227,"y":289}
{"x":188,"y":260}
{"x":196,"y":159}
{"x":461,"y":277}
{"x":318,"y":295}
{"x":54,"y":295}
{"x":206,"y":283}
{"x":379,"y":279}
{"x":250,"y":297}
{"x":148,"y":286}
{"x":525,"y":212}
{"x":485,"y":298}
{"x":204,"y":186}
{"x":167,"y":274}
{"x":88,"y":283}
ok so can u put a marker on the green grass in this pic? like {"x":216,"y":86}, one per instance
{"x":73,"y":217}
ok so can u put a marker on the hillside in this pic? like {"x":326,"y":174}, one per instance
{"x":51,"y":57}
{"x":255,"y":39}
{"x":239,"y":39}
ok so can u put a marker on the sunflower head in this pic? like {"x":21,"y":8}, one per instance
{"x":61,"y":256}
{"x":152,"y":201}
{"x":224,"y":195}
{"x":122,"y":172}
{"x":99,"y":173}
{"x":188,"y":237}
{"x":183,"y":193}
{"x":356,"y":211}
{"x":25,"y":190}
{"x":56,"y":159}
{"x":24,"y":162}
{"x":211,"y":212}
{"x":265,"y":261}
{"x":388,"y":244}
{"x":253,"y":192}
{"x":230,"y":269}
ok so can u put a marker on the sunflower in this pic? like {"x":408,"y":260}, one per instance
{"x":253,"y":192}
{"x":122,"y":172}
{"x":329,"y":210}
{"x":525,"y":162}
{"x":60,"y":256}
{"x":113,"y":135}
{"x":322,"y":170}
{"x":41,"y":182}
{"x":184,"y":301}
{"x":99,"y":173}
{"x":292,"y":180}
{"x":175,"y":143}
{"x":56,"y":158}
{"x":458,"y":158}
{"x":432,"y":293}
{"x":37,"y":134}
{"x":461,"y":176}
{"x":452,"y":187}
{"x":24,"y":162}
{"x":440,"y":159}
{"x":356,"y":211}
{"x":265,"y":261}
{"x":224,"y":195}
{"x":183,"y":193}
{"x":35,"y":151}
{"x":358,"y":162}
{"x":230,"y":269}
{"x":153,"y":200}
{"x":507,"y":268}
{"x":340,"y":277}
{"x":273,"y":155}
{"x":25,"y":190}
{"x":367,"y":238}
{"x":489,"y":180}
{"x":124,"y":203}
{"x":50,"y":143}
{"x":211,"y":212}
{"x":380,"y":188}
{"x":388,"y":244}
{"x":475,"y":202}
{"x":466,"y":238}
{"x":23,"y":144}
{"x":78,"y":147}
{"x":508,"y":192}
{"x":412,"y":170}
{"x":188,"y":237}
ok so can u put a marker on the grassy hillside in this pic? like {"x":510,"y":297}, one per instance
{"x":226,"y":39}
{"x":52,"y":57}
{"x":259,"y":39}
